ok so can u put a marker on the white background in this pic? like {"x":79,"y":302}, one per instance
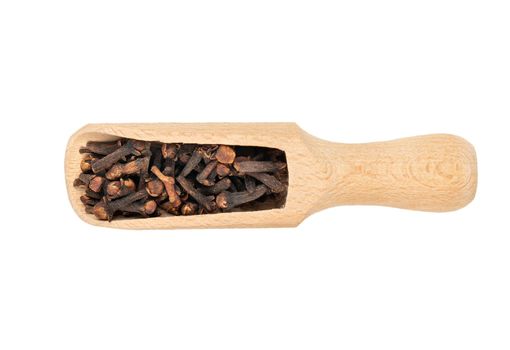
{"x":348,"y":277}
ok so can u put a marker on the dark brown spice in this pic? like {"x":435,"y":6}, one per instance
{"x":101,"y":148}
{"x":169,"y":183}
{"x":105,"y":209}
{"x":133,"y":147}
{"x":229,"y":200}
{"x":136,"y":166}
{"x":218,"y":187}
{"x":193,"y":192}
{"x":117,"y":189}
{"x":258,"y":166}
{"x":203,"y":176}
{"x":225,"y":154}
{"x":268,"y":180}
{"x":142,"y":208}
{"x":193,"y":161}
{"x":184,"y":179}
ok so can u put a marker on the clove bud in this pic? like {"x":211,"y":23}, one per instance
{"x":117,"y":189}
{"x":189,"y":208}
{"x":225,"y":154}
{"x":154,"y":187}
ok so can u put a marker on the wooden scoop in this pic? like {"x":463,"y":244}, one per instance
{"x":431,"y":173}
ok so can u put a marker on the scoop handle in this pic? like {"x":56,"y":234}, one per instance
{"x":430,"y":173}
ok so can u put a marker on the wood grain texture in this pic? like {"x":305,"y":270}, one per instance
{"x":433,"y":173}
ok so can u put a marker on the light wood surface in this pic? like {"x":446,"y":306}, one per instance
{"x":432,"y":173}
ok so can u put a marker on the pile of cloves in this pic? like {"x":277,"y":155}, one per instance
{"x":139,"y":179}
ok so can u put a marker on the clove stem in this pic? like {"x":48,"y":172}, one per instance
{"x":229,"y":200}
{"x":269,"y":180}
{"x":193,"y":192}
{"x":131,"y":147}
{"x":250,"y":166}
{"x":192,"y":163}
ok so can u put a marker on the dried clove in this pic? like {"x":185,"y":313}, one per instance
{"x":117,"y":189}
{"x":169,"y":184}
{"x":268,"y":180}
{"x":105,"y":209}
{"x":258,"y":166}
{"x":218,"y":187}
{"x":143,"y":208}
{"x":101,"y":148}
{"x":203,"y":176}
{"x":193,"y":192}
{"x":139,"y":179}
{"x":229,"y":200}
{"x":193,"y":161}
{"x":136,"y":166}
{"x":133,"y":147}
